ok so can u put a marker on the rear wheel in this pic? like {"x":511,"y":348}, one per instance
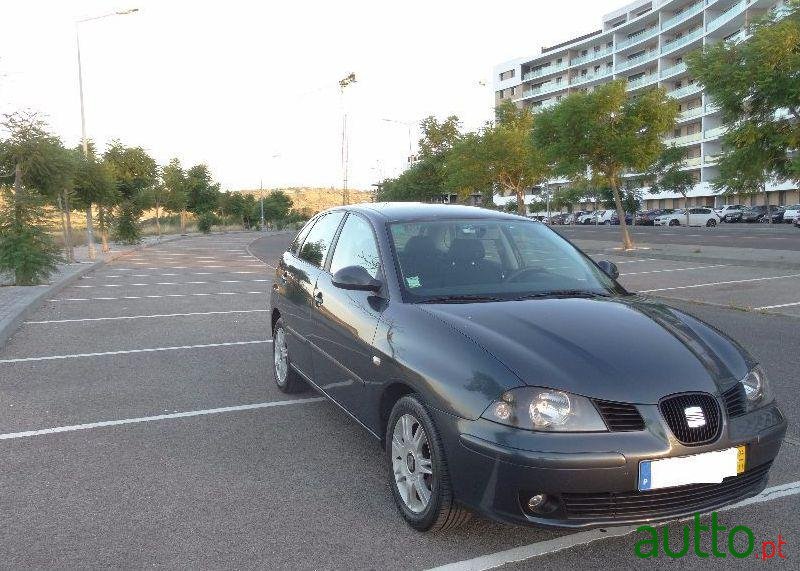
{"x":418,"y":472}
{"x":287,"y":379}
{"x":674,"y":222}
{"x":711,"y":223}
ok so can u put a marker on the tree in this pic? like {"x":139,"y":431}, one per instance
{"x":502,"y":154}
{"x":667,"y":175}
{"x":438,"y":137}
{"x":277,"y":205}
{"x":202,"y":192}
{"x":134,"y":173}
{"x":607,"y":133}
{"x":756,"y":85}
{"x":26,"y":157}
{"x":422,"y":181}
{"x":176,"y":196}
{"x":93,"y":183}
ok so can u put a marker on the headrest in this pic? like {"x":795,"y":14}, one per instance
{"x":467,"y":250}
{"x":419,"y":246}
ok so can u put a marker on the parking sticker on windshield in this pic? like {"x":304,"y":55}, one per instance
{"x":413,"y":281}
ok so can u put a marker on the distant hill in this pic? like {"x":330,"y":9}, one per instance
{"x":316,"y":199}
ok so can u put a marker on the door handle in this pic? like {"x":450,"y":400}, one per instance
{"x":318,"y":299}
{"x":285,"y":276}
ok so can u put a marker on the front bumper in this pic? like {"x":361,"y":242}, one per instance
{"x":591,"y":479}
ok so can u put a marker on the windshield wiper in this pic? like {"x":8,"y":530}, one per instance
{"x":461,"y":299}
{"x":563,"y":293}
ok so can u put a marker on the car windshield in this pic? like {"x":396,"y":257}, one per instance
{"x":491,"y":260}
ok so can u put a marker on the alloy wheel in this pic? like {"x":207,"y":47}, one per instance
{"x":412,"y":463}
{"x":281,"y":353}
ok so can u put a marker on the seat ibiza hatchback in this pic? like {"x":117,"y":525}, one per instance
{"x":507,"y":373}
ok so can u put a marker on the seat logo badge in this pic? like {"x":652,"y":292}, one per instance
{"x":694,"y":416}
{"x":376,"y":361}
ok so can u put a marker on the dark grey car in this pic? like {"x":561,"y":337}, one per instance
{"x":505,"y":372}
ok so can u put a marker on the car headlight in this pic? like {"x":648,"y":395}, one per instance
{"x":548,"y":410}
{"x":757,"y":389}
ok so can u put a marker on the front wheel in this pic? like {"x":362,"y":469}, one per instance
{"x":711,"y":223}
{"x":674,"y":222}
{"x":418,"y":473}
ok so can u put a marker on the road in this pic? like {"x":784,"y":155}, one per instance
{"x":140,"y":427}
{"x":759,"y":236}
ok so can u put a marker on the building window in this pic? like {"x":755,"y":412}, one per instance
{"x":559,"y":60}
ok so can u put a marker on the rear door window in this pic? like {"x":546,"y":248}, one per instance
{"x":318,"y":241}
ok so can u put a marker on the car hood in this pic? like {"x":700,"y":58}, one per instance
{"x":621,"y":349}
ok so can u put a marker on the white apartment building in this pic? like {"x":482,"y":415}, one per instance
{"x":645,"y":42}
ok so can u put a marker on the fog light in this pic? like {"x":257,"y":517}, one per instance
{"x":534,"y":502}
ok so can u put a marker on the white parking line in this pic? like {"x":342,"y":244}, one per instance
{"x":581,"y":538}
{"x":719,"y":283}
{"x":159,"y":296}
{"x":673,"y":270}
{"x":130,"y":351}
{"x":153,"y":316}
{"x":188,"y":414}
{"x":777,"y":306}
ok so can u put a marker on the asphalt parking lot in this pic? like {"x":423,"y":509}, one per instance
{"x":140,"y":427}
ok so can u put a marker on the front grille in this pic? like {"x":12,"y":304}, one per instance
{"x":665,"y":502}
{"x":674,"y":410}
{"x":620,"y":416}
{"x":734,"y":399}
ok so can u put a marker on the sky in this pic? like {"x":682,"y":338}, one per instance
{"x":251,"y":87}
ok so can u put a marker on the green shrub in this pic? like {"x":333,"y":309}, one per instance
{"x":26,"y":248}
{"x":126,"y":224}
{"x":205,"y":221}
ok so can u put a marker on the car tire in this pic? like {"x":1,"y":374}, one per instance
{"x":711,"y":223}
{"x":288,"y":380}
{"x":674,"y":223}
{"x":607,"y":222}
{"x":409,"y":457}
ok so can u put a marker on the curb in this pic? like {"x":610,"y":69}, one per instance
{"x":12,"y":322}
{"x":772,"y":264}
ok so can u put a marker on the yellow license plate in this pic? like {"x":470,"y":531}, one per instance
{"x":741,"y":458}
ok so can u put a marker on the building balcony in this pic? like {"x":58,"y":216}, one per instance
{"x":578,"y":79}
{"x":683,"y":16}
{"x":716,"y":132}
{"x":675,"y":43}
{"x":591,"y":56}
{"x":544,"y":71}
{"x":644,"y":80}
{"x":685,"y":90}
{"x":542,"y":89}
{"x":684,"y":140}
{"x":690,"y":113}
{"x":629,"y":63}
{"x":712,"y":108}
{"x":692,"y":162}
{"x":712,"y":159}
{"x":673,"y":70}
{"x":636,"y":38}
{"x":545,"y":105}
{"x":727,"y":15}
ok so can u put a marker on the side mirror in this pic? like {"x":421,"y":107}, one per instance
{"x":355,"y":278}
{"x":609,"y":268}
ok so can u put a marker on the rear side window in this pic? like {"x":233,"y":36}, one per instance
{"x":298,"y":240}
{"x":318,"y":241}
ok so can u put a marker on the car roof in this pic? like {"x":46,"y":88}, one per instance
{"x":401,"y":211}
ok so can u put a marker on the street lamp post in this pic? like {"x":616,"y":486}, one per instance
{"x":408,"y":125}
{"x":84,"y":139}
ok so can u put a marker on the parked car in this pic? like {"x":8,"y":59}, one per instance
{"x":615,"y":218}
{"x":647,"y":217}
{"x":587,"y":217}
{"x":443,"y":332}
{"x":728,"y":209}
{"x":604,"y":217}
{"x":558,"y":219}
{"x":791,"y":213}
{"x":734,"y":216}
{"x":698,"y":216}
{"x":796,"y":222}
{"x":754,"y":213}
{"x":777,"y":213}
{"x":573,"y":218}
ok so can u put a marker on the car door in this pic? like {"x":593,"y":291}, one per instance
{"x":299,"y":276}
{"x":345,"y":320}
{"x":697,"y":217}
